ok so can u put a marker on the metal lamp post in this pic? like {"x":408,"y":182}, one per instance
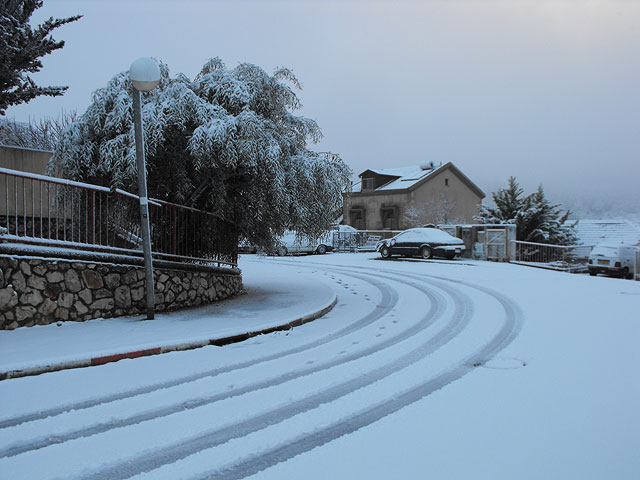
{"x":145,"y":76}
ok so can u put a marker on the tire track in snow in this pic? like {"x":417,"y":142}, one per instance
{"x":435,"y":311}
{"x":388,"y":301}
{"x":306,"y":442}
{"x":154,"y":459}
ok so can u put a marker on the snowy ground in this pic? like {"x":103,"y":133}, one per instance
{"x":423,"y":369}
{"x":272,"y":300}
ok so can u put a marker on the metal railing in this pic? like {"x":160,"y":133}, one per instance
{"x":567,"y":258}
{"x":56,"y":212}
{"x":360,"y":241}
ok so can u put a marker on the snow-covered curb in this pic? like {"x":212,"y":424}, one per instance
{"x":217,"y":341}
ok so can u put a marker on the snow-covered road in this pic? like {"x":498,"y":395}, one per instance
{"x":451,"y":369}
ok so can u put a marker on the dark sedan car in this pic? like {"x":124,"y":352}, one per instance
{"x":421,"y":242}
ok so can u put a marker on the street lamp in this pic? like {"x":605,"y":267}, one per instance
{"x":145,"y":76}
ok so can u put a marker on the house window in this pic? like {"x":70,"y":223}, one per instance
{"x":368,"y":184}
{"x":358,"y":218}
{"x":446,"y":182}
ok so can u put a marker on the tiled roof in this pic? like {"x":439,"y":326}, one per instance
{"x":592,"y":232}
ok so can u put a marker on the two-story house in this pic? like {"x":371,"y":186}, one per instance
{"x":384,"y":196}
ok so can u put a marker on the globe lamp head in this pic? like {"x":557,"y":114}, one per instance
{"x":144,"y":74}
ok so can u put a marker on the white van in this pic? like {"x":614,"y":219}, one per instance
{"x":613,"y":259}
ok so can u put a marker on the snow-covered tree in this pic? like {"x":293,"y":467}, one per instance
{"x":227,"y":142}
{"x":414,"y":216}
{"x":544,"y":222}
{"x":436,"y":211}
{"x":508,"y":201}
{"x":536,"y":219}
{"x":40,"y":134}
{"x":21,"y":47}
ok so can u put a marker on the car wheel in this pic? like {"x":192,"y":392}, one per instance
{"x":322,"y":249}
{"x":626,"y":274}
{"x":385,"y":252}
{"x":426,"y":252}
{"x":592,"y":273}
{"x":282,"y":251}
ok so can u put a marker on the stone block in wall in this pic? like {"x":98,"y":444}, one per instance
{"x":72,"y":281}
{"x":65,"y":299}
{"x":18,"y":281}
{"x":137,"y":294}
{"x":26,"y":268}
{"x":92,"y":279}
{"x":8,"y":298}
{"x":54,"y":276}
{"x":86,"y":296}
{"x":32,"y":297}
{"x":47,"y":308}
{"x":36,"y":281}
{"x":122,"y":296}
{"x":112,"y":280}
{"x":103,"y":304}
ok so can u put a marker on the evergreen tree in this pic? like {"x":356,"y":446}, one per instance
{"x":226,"y":142}
{"x":543,"y":222}
{"x":508,"y":203}
{"x":20,"y":50}
{"x":535,"y":218}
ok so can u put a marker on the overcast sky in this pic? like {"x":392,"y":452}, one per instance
{"x":547,"y":91}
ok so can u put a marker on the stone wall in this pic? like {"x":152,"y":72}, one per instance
{"x":37,"y":291}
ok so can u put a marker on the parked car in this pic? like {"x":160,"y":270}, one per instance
{"x":290,"y":243}
{"x":421,"y":242}
{"x":245,"y":247}
{"x":612,"y":259}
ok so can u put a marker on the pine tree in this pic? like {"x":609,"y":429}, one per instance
{"x":21,"y":47}
{"x":508,"y":203}
{"x":536,"y":219}
{"x":543,"y":222}
{"x":226,"y":142}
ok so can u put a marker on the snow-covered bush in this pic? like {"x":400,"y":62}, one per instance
{"x":226,"y":142}
{"x":42,"y":134}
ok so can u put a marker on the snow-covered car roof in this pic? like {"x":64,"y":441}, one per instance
{"x":429,"y":235}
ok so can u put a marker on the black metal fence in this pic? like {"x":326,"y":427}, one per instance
{"x":60,"y":213}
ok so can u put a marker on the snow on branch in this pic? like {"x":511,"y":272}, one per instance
{"x":226,"y":142}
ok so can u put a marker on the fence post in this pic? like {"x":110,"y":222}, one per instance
{"x":93,"y":216}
